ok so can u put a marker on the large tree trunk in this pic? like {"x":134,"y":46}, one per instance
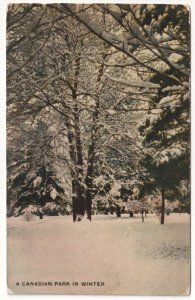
{"x":77,"y":157}
{"x":77,"y":198}
{"x":88,"y":196}
{"x":77,"y":201}
{"x":89,"y":181}
{"x":88,"y":204}
{"x":74,"y":208}
{"x":163,"y":206}
{"x":79,"y":167}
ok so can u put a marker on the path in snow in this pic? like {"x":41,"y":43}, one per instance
{"x":128,"y":256}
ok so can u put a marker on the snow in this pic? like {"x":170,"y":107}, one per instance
{"x":163,"y":159}
{"x":51,"y":206}
{"x":114,"y":192}
{"x":111,"y":111}
{"x":186,"y":96}
{"x":53,"y":194}
{"x":155,"y":115}
{"x":128,"y":256}
{"x":99,"y":181}
{"x":175,"y":151}
{"x":31,"y":175}
{"x":139,"y":84}
{"x":95,"y":27}
{"x":133,"y":91}
{"x":172,"y":88}
{"x":27,"y":213}
{"x":37,"y":181}
{"x":171,"y":101}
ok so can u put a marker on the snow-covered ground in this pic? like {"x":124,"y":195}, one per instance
{"x":117,"y":256}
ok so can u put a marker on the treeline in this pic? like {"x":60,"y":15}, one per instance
{"x":98,"y":102}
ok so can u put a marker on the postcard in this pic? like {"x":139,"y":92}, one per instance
{"x":98,"y":149}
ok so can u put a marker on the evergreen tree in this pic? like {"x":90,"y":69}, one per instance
{"x":166,"y":131}
{"x":32,"y":178}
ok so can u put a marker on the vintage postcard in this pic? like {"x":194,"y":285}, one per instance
{"x":98,"y":149}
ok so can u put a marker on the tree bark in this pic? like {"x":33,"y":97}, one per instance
{"x":76,"y":152}
{"x":77,"y":201}
{"x":163,"y":207}
{"x":88,"y":204}
{"x":73,"y":159}
{"x":89,"y":181}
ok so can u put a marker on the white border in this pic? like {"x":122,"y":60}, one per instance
{"x":3,"y":272}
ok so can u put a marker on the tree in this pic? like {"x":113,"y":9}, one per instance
{"x":32,"y":174}
{"x":166,"y":130}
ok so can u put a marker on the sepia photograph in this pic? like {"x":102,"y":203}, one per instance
{"x":98,"y":143}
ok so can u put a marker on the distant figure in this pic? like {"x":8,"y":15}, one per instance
{"x":142,"y":212}
{"x":40,"y":213}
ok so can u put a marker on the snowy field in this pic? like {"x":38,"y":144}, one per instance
{"x":116,"y":256}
